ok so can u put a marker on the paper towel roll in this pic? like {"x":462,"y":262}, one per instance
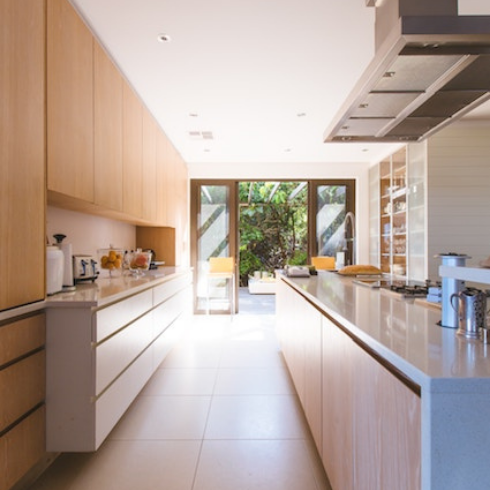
{"x":66,"y":248}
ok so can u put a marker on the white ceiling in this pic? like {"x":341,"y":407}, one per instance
{"x":264,"y":76}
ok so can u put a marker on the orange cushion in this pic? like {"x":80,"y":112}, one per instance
{"x":323,"y":263}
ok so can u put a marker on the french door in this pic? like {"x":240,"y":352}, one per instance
{"x":213,"y":218}
{"x":331,"y":219}
{"x":214,"y":228}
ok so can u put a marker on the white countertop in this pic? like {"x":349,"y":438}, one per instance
{"x":404,"y":333}
{"x":107,"y":290}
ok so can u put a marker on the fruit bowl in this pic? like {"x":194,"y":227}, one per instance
{"x":139,"y":261}
{"x":110,"y":261}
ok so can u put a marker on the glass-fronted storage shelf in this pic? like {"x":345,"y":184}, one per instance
{"x":417,"y":210}
{"x":393,"y":214}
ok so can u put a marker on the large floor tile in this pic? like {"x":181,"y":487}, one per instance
{"x":257,"y":465}
{"x":181,"y":381}
{"x":254,"y":381}
{"x":164,"y":417}
{"x":194,"y":355}
{"x":251,"y":354}
{"x":123,"y":465}
{"x":255,"y":417}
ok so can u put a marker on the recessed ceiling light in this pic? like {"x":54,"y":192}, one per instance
{"x":164,"y":38}
{"x":207,"y":150}
{"x":193,"y":114}
{"x":287,"y":150}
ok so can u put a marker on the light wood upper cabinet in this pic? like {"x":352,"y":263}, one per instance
{"x":69,"y":102}
{"x":132,"y":153}
{"x":108,"y":86}
{"x":22,"y":152}
{"x":106,"y":153}
{"x":149,"y":167}
{"x":182,"y":209}
{"x":170,"y":186}
{"x":162,"y":161}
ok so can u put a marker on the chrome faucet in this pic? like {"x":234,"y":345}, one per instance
{"x":350,"y":237}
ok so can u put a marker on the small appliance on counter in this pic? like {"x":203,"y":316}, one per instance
{"x":66,"y":248}
{"x":471,"y":307}
{"x":450,"y":287}
{"x":85,"y":268}
{"x":54,"y":270}
{"x":297,"y":271}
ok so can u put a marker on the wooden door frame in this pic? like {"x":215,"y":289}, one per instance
{"x":313,"y":184}
{"x":234,"y":216}
{"x":232,"y":185}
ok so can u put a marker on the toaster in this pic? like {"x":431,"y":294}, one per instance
{"x":85,"y":268}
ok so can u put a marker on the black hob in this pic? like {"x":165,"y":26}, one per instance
{"x":408,"y":289}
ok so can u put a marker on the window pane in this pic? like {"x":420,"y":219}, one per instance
{"x":330,"y":217}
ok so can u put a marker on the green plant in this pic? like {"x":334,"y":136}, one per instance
{"x":273,"y":226}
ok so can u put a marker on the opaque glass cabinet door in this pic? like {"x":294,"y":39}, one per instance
{"x":22,"y":150}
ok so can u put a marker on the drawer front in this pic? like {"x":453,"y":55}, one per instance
{"x":116,"y":353}
{"x":110,"y":407}
{"x":167,"y":312}
{"x":21,"y":448}
{"x":109,"y":320}
{"x":168,"y":289}
{"x":22,"y":336}
{"x":22,"y":387}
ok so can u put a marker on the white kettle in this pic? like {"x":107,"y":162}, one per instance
{"x":54,"y":269}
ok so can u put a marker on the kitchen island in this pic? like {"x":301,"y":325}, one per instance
{"x":103,"y":342}
{"x":392,"y":399}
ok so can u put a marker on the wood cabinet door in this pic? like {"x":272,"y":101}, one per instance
{"x":387,"y":428}
{"x":170,"y":187}
{"x":311,"y":319}
{"x":149,"y":167}
{"x":132,"y":153}
{"x":162,"y":161}
{"x":22,"y":152}
{"x":70,"y":119}
{"x":337,"y":456}
{"x":182,"y":211}
{"x":108,"y":176}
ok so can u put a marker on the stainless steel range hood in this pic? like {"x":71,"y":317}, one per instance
{"x":431,"y":67}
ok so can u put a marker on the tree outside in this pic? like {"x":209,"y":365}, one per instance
{"x":273,"y":226}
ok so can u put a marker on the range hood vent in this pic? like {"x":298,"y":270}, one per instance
{"x":428,"y":71}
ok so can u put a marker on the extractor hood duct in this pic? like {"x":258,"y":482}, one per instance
{"x":431,"y":66}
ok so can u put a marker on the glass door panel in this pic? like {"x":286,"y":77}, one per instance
{"x":214,"y":226}
{"x":334,"y":233}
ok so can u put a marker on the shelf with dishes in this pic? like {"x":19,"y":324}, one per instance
{"x":393,"y":197}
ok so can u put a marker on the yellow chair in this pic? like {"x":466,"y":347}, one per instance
{"x":221,"y":268}
{"x":323,"y":263}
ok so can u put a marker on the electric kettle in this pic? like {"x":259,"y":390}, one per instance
{"x":472,"y":310}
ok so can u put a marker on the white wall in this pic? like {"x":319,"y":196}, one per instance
{"x":271,"y":171}
{"x":474,"y":7}
{"x":88,"y":233}
{"x":459,"y":193}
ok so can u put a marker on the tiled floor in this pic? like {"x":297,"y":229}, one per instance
{"x":220,"y":414}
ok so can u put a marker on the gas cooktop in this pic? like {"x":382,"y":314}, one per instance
{"x":412,"y":289}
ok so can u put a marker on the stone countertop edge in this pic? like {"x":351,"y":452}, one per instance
{"x":433,"y":357}
{"x":105,"y":290}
